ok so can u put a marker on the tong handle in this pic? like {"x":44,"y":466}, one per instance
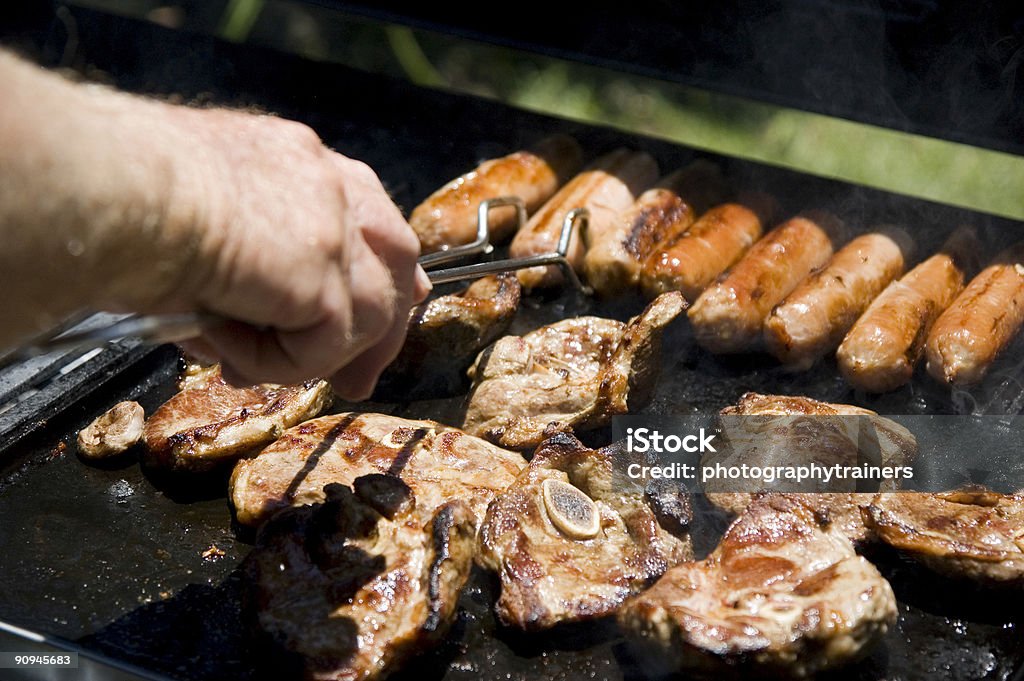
{"x":171,"y":328}
{"x":156,"y":329}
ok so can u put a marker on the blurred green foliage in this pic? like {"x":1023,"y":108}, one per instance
{"x":908,"y":164}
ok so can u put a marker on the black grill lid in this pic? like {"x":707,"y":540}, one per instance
{"x":953,"y":70}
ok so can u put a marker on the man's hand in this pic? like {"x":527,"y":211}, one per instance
{"x":303,"y":247}
{"x":129,"y":204}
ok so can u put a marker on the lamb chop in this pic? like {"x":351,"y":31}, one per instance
{"x":571,"y":540}
{"x":357,"y":584}
{"x":782,"y":595}
{"x":210,"y":423}
{"x":445,"y":335}
{"x":437,"y":462}
{"x":778,"y":430}
{"x":971,"y":533}
{"x":575,"y":373}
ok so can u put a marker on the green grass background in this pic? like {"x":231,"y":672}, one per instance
{"x":915,"y":165}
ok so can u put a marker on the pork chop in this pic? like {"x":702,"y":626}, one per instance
{"x":576,"y":373}
{"x":781,"y":595}
{"x":571,"y":541}
{"x":972,"y":533}
{"x":445,"y":335}
{"x":210,"y":423}
{"x":439,"y":463}
{"x":357,"y":584}
{"x":779,"y":430}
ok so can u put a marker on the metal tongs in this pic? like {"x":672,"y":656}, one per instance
{"x":172,"y":328}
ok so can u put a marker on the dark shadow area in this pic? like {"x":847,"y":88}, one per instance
{"x":187,"y":488}
{"x":433,"y":664}
{"x":948,"y":597}
{"x":575,"y":636}
{"x":406,"y":452}
{"x":199,"y":634}
{"x":129,"y":457}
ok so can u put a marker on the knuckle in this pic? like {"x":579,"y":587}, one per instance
{"x":329,"y":246}
{"x":334,"y":250}
{"x":361,"y":170}
{"x":301,"y":134}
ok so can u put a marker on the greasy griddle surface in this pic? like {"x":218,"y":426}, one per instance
{"x":113,"y":558}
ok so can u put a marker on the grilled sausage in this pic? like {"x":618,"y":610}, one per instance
{"x":691,"y":261}
{"x":814,"y":318}
{"x":880,"y":351}
{"x":448,"y":217}
{"x":728,"y":316}
{"x":980,"y":323}
{"x":606,"y":187}
{"x":613,"y":261}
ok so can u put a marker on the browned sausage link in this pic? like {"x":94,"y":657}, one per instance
{"x":728,"y":316}
{"x":884,"y":345}
{"x":606,"y":187}
{"x":691,"y":261}
{"x":614,"y":257}
{"x":980,"y":323}
{"x":813,"y":319}
{"x":448,"y":217}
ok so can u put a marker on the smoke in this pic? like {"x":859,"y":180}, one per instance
{"x":1001,"y":393}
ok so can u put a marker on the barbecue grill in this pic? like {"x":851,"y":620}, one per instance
{"x":113,"y":563}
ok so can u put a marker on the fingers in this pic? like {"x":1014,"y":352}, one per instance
{"x":358,"y":378}
{"x":361,"y":324}
{"x":423,"y":286}
{"x":252,"y":355}
{"x":200,"y":349}
{"x":386,"y":232}
{"x":355,"y":318}
{"x":312,"y":260}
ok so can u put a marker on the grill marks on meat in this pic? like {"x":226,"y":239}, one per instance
{"x":971,"y":533}
{"x":445,"y":335}
{"x":210,"y":423}
{"x":361,"y":582}
{"x":778,"y":430}
{"x":781,"y":594}
{"x":551,"y":573}
{"x":576,"y":373}
{"x":437,"y":462}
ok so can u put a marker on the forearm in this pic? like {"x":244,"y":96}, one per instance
{"x":117,"y":202}
{"x":93,"y":208}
